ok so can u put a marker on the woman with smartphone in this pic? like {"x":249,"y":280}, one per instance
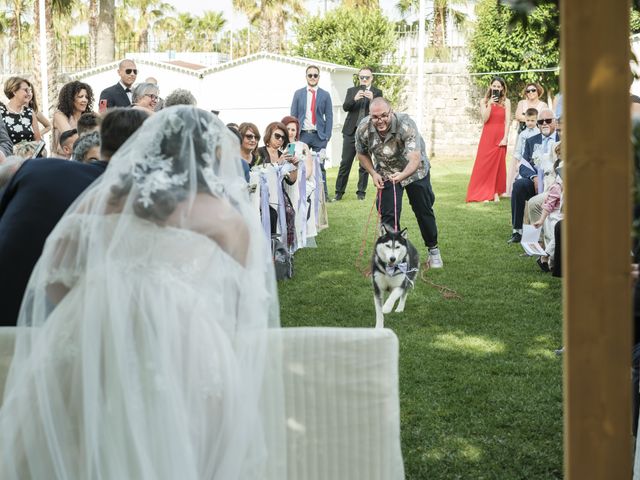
{"x":488,"y":178}
{"x":276,"y":153}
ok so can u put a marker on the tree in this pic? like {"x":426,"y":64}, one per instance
{"x":106,"y":33}
{"x":270,"y":17}
{"x":496,"y":47}
{"x":438,"y":16}
{"x":354,"y":38}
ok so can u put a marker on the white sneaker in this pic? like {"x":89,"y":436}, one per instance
{"x":435,"y":260}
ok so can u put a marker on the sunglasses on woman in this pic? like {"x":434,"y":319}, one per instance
{"x":250,"y":136}
{"x":278,"y":136}
{"x":531,"y":90}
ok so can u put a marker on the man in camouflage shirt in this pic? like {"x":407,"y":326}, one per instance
{"x":391,"y":149}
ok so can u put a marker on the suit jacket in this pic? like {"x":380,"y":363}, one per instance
{"x":115,"y":96}
{"x":353,"y":107}
{"x":324,"y":111}
{"x":6,"y":145}
{"x":30,"y":206}
{"x":529,"y":148}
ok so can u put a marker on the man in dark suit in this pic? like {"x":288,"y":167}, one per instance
{"x":119,"y":95}
{"x":526,"y":187}
{"x":6,"y":145}
{"x":356,"y":102}
{"x":312,"y":107}
{"x":36,"y":198}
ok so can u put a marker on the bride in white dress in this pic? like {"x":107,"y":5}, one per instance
{"x":142,"y":339}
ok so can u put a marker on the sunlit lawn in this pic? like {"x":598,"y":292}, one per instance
{"x":480,"y":385}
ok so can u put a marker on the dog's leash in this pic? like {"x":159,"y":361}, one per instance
{"x":446,"y":292}
{"x":366,"y":272}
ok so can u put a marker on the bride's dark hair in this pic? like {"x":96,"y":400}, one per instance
{"x":185,"y":134}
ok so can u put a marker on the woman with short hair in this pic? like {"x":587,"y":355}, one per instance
{"x":145,"y":96}
{"x":17,"y":116}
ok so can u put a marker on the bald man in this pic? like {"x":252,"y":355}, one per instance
{"x":119,"y":95}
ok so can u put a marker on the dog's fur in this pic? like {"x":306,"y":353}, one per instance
{"x":394,"y":268}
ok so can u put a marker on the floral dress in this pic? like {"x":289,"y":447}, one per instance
{"x":19,"y":125}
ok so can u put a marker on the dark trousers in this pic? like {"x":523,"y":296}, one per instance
{"x":313,"y":140}
{"x":523,"y":190}
{"x":557,"y":256}
{"x":348,"y":154}
{"x":421,"y":198}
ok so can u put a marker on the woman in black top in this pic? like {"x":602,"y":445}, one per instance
{"x":18,"y":117}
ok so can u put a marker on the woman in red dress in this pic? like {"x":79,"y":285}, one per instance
{"x":488,"y":178}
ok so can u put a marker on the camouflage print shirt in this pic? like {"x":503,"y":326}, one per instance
{"x":389,"y":155}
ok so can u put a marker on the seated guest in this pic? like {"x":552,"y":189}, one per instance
{"x":250,"y":138}
{"x":6,"y":145}
{"x":180,"y":96}
{"x":27,"y":149}
{"x":551,"y":214}
{"x":87,"y":148}
{"x":65,"y":146}
{"x":88,"y":122}
{"x":9,"y":167}
{"x":526,"y":187}
{"x":145,"y":96}
{"x":35,"y":199}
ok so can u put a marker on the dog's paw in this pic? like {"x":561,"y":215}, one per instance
{"x":387,"y":307}
{"x":400,"y":309}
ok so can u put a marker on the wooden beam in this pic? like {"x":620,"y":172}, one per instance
{"x":597,"y":239}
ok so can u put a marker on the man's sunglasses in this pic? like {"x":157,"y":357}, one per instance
{"x":278,"y":136}
{"x":548,"y":121}
{"x":364,"y":77}
{"x":129,"y":71}
{"x":313,"y":75}
{"x":531,"y":90}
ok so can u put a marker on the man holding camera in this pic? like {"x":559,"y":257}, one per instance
{"x":356,"y":103}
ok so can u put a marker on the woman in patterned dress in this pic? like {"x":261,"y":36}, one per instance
{"x":18,"y":117}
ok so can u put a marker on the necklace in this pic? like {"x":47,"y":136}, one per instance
{"x":17,"y":112}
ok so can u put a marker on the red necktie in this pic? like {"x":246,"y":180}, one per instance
{"x":313,"y":105}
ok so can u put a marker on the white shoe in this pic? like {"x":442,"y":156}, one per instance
{"x":435,"y":260}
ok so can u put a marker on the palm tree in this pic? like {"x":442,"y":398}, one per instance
{"x":361,"y":3}
{"x":58,"y":9}
{"x":147,"y":13}
{"x":270,"y":16}
{"x":105,"y":33}
{"x":440,"y":11}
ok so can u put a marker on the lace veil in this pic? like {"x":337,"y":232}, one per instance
{"x":142,"y":337}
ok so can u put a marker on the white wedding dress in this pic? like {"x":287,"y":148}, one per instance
{"x":143,"y":342}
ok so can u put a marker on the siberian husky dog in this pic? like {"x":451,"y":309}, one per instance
{"x":394,"y":268}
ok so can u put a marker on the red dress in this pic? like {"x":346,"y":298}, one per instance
{"x":489,"y":175}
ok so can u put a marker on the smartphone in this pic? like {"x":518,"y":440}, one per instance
{"x":292,"y":149}
{"x":39,"y":148}
{"x":495,"y":94}
{"x":103,"y":105}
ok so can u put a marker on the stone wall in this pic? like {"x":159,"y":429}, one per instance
{"x":451,"y":122}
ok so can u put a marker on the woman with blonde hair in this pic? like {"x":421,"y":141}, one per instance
{"x":18,"y":117}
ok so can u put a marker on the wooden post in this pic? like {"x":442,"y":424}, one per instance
{"x":597,"y":289}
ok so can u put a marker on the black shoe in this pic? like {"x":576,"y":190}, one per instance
{"x":544,"y":266}
{"x":337,"y":198}
{"x":361,"y":196}
{"x":515,"y":238}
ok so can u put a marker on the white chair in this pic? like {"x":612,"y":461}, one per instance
{"x":341,"y":401}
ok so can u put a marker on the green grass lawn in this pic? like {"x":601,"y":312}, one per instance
{"x":480,"y":386}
